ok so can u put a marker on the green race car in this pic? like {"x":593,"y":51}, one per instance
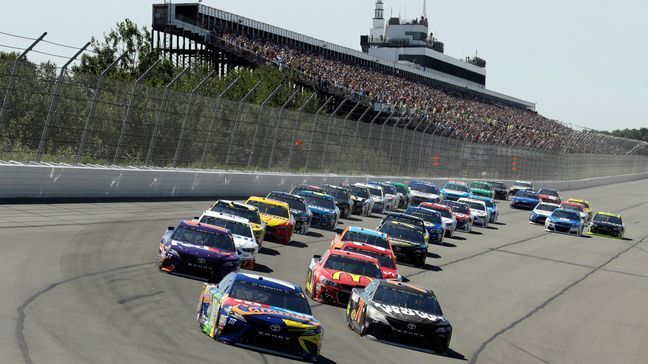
{"x":482,"y":189}
{"x":607,"y":224}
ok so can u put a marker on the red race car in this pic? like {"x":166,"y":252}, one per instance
{"x":331,"y":277}
{"x":386,"y":258}
{"x":449,"y":221}
{"x":549,"y":195}
{"x":461,"y":212}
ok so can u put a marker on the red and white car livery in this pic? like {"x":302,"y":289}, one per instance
{"x":386,"y":258}
{"x":549,"y":195}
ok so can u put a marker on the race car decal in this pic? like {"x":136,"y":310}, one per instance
{"x":245,"y":310}
{"x":354,"y":277}
{"x":409,"y":312}
{"x":360,"y":308}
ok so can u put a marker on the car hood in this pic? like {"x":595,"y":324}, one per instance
{"x":564,"y":221}
{"x":455,"y":192}
{"x":525,"y":199}
{"x":316,"y":210}
{"x":607,"y":224}
{"x":542,"y":212}
{"x":202,"y":251}
{"x":272,"y":220}
{"x":549,"y":197}
{"x":401,"y":242}
{"x":406,"y":314}
{"x":243,"y":242}
{"x":264,"y":315}
{"x":346,"y":278}
{"x":431,"y":196}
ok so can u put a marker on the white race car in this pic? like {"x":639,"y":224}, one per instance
{"x":541,"y":212}
{"x":478,"y":210}
{"x":246,"y":245}
{"x":378,"y":197}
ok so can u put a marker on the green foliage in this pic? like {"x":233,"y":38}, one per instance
{"x":636,"y":134}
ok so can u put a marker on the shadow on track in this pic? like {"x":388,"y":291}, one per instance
{"x":261,"y":268}
{"x":457,"y":237}
{"x":491,"y":228}
{"x":267,"y":251}
{"x":298,"y":244}
{"x":499,"y":223}
{"x":474,"y":232}
{"x":353,"y":219}
{"x":324,"y":360}
{"x":315,"y":234}
{"x":433,"y":255}
{"x":448,"y":245}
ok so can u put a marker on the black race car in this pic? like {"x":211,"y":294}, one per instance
{"x":400,"y":313}
{"x":401,"y":217}
{"x":361,"y":198}
{"x":298,"y":210}
{"x":342,"y":199}
{"x":501,"y":190}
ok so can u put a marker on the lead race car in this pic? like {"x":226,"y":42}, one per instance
{"x":261,"y":313}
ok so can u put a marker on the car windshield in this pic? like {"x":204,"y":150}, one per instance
{"x":320,"y":202}
{"x":461,"y":209}
{"x":476,"y":206}
{"x":481,"y":186}
{"x":547,"y":192}
{"x":545,"y":207}
{"x":523,"y":184}
{"x":384,"y":259}
{"x":339,"y":194}
{"x":293,"y":203}
{"x":402,"y":232}
{"x":443,"y":212}
{"x":375,"y":191}
{"x":359,"y":192}
{"x":582,"y":203}
{"x":573,"y":208}
{"x":498,"y":185}
{"x":353,"y":266}
{"x":426,"y":216}
{"x":269,"y":209}
{"x":394,"y":296}
{"x":608,"y":218}
{"x":425,"y":188}
{"x":200,"y":237}
{"x":271,"y":296}
{"x":366,"y":238}
{"x":489,"y":203}
{"x":525,"y":193}
{"x":562,"y":214}
{"x":252,"y":216}
{"x":236,"y":228}
{"x":299,"y":189}
{"x":456,"y":187}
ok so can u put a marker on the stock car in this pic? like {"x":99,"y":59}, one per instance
{"x":280,"y":224}
{"x":607,"y":224}
{"x":298,"y":209}
{"x":549,"y":195}
{"x":386,"y":257}
{"x":363,"y":204}
{"x":261,"y":313}
{"x":577,"y":208}
{"x":198,"y":250}
{"x":404,"y":194}
{"x":391,"y":195}
{"x":342,"y":199}
{"x":478,"y":210}
{"x":331,"y":277}
{"x":424,"y":192}
{"x":462,"y":214}
{"x":449,"y":221}
{"x":312,"y":188}
{"x":433,"y":223}
{"x":246,"y":246}
{"x":541,"y":212}
{"x":525,"y":199}
{"x":401,"y":313}
{"x":407,"y":219}
{"x":455,"y":190}
{"x":520,"y":186}
{"x":245,"y":211}
{"x":408,"y":242}
{"x":586,"y":204}
{"x":482,"y":189}
{"x":493,"y":210}
{"x":377,"y":195}
{"x":565,"y":221}
{"x":501,"y":190}
{"x":361,"y":235}
{"x":325,"y":213}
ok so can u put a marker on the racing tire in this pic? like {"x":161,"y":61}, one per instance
{"x":419,"y":262}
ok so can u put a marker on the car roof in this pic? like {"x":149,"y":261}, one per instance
{"x":206,"y":227}
{"x":435,"y":206}
{"x":286,"y":195}
{"x":365,"y":246}
{"x":457,"y":183}
{"x":359,"y":256}
{"x":549,"y":204}
{"x":239,"y":205}
{"x":482,"y":198}
{"x":400,"y":223}
{"x":267,"y":281}
{"x":268,"y":201}
{"x":316,"y":194}
{"x":355,"y":229}
{"x":423,"y":209}
{"x":611,"y":214}
{"x":578,"y":200}
{"x":565,"y":210}
{"x":473,"y":200}
{"x":573,"y":203}
{"x":403,"y":215}
{"x":227,"y":217}
{"x":405,"y":287}
{"x":525,"y":182}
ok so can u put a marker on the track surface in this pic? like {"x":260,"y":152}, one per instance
{"x":79,"y":285}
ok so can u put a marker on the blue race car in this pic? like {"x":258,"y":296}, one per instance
{"x":491,"y":206}
{"x":525,"y":199}
{"x":325,"y":212}
{"x":262,"y":313}
{"x":433,"y":222}
{"x":455,"y":190}
{"x":565,"y":221}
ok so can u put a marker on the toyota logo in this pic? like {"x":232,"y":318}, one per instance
{"x":275,"y":328}
{"x":411,"y":326}
{"x":202,"y":260}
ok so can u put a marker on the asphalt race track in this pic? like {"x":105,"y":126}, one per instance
{"x":79,"y":285}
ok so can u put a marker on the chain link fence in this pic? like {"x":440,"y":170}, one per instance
{"x":91,"y":120}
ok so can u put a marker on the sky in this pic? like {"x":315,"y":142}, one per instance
{"x":581,"y":61}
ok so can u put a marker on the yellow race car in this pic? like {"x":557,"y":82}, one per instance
{"x":245,"y":211}
{"x":586,"y":205}
{"x":277,"y":218}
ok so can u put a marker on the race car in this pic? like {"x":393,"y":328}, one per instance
{"x":298,"y":209}
{"x":549,"y":195}
{"x":325,"y":213}
{"x":565,"y":221}
{"x":300,"y":188}
{"x":331,"y":277}
{"x":586,"y":204}
{"x":362,"y":202}
{"x":280,"y":224}
{"x":482,"y":189}
{"x":391,"y":195}
{"x":386,"y":257}
{"x":408,"y":242}
{"x":493,"y":210}
{"x":400,"y":313}
{"x":433,"y":222}
{"x":424,"y":192}
{"x":246,"y":246}
{"x":462,"y":214}
{"x":198,"y":250}
{"x":408,"y":219}
{"x":478,"y":210}
{"x":377,"y":195}
{"x":245,"y":211}
{"x":501,"y":190}
{"x":541,"y":212}
{"x":455,"y":190}
{"x":449,"y":221}
{"x":607,"y":224}
{"x":525,"y":199}
{"x":576,"y":207}
{"x":404,"y":194}
{"x":520,"y":186}
{"x":342,"y":199}
{"x":262,"y":313}
{"x":361,"y":235}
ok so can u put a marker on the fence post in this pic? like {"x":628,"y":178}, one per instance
{"x":93,"y":108}
{"x":52,"y":108}
{"x":392,"y":141}
{"x":12,"y":78}
{"x":328,"y":128}
{"x":400,"y":159}
{"x":156,"y":127}
{"x":203,"y":159}
{"x":423,"y":141}
{"x":380,"y":141}
{"x":311,"y":140}
{"x":276,"y":133}
{"x":192,"y":99}
{"x":257,"y":127}
{"x":294,"y":130}
{"x":411,"y":159}
{"x":239,"y":115}
{"x":364,"y":157}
